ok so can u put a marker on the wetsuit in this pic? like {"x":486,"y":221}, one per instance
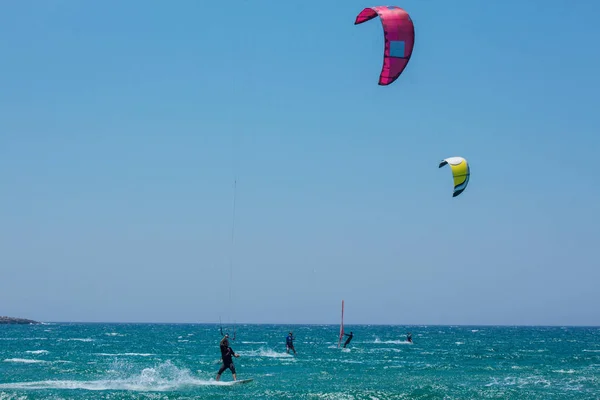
{"x":226,"y":354}
{"x":409,"y":338}
{"x":224,"y":345}
{"x":350,"y":336}
{"x":289,"y":344}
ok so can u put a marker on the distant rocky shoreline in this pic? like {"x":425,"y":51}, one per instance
{"x":20,"y":321}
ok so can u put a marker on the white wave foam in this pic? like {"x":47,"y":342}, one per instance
{"x":32,"y":361}
{"x":165,"y":377}
{"x":37,"y":351}
{"x":77,"y":340}
{"x":519,"y":381}
{"x":265,"y":353}
{"x":142,"y":385}
{"x":11,"y":396}
{"x":378,"y":341}
{"x":25,"y":361}
{"x":254,"y":342}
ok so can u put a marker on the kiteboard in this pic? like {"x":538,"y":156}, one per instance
{"x":240,"y":381}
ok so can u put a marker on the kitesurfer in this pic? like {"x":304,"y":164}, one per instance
{"x":226,"y":354}
{"x":350,"y":336}
{"x":289,"y":343}
{"x":409,"y":337}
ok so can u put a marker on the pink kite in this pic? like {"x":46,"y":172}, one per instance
{"x":399,"y":34}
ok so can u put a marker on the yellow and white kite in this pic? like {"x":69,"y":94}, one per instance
{"x":460,"y":172}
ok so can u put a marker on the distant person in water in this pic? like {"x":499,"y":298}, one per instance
{"x":289,"y":343}
{"x":350,"y":336}
{"x":409,"y":337}
{"x":226,"y":354}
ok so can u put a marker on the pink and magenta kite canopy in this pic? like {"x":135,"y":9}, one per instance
{"x":399,"y":34}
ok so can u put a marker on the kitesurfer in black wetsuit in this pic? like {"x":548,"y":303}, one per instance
{"x":289,"y":343}
{"x":226,"y":354}
{"x":350,"y":336}
{"x":409,"y":337}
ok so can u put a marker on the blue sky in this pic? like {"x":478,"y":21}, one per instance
{"x":123,"y":124}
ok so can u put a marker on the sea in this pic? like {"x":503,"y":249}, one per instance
{"x":180,"y":361}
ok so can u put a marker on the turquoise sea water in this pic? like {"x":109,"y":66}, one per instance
{"x":170,"y":361}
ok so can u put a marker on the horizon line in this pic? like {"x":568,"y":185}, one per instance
{"x":320,"y":324}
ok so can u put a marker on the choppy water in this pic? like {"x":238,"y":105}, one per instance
{"x":160,"y":361}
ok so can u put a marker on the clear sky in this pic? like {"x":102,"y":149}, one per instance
{"x":123,"y":124}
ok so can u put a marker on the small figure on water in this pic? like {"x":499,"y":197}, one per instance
{"x":350,"y":336}
{"x":289,"y":343}
{"x":409,"y":337}
{"x":226,"y":354}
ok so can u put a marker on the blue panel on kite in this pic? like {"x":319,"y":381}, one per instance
{"x":397,"y":48}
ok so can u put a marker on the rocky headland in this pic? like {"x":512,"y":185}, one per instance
{"x":20,"y":321}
